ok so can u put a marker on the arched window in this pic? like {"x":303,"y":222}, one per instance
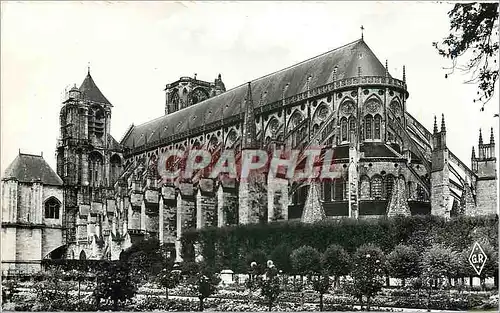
{"x":339,"y":191}
{"x":52,"y":208}
{"x":376,"y":187}
{"x":175,"y":100}
{"x":352,"y":128}
{"x":95,"y":168}
{"x":368,"y":126}
{"x":327,"y":191}
{"x":343,"y":128}
{"x":116,"y":165}
{"x":389,"y":185}
{"x":83,"y":256}
{"x":364,"y":188}
{"x":376,"y":127}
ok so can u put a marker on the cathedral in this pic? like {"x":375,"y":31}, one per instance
{"x":107,"y":194}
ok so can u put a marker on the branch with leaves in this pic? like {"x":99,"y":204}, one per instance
{"x":472,"y":46}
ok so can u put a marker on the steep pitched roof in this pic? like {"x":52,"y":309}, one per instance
{"x":91,"y":92}
{"x":27,"y":168}
{"x":347,"y":59}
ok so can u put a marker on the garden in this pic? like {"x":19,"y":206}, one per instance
{"x":345,"y":265}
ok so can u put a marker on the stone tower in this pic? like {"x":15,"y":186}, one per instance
{"x":188,"y":91}
{"x":89,"y":159}
{"x":484,"y":165}
{"x":440,"y":189}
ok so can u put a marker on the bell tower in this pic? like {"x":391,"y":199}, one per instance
{"x":484,"y":165}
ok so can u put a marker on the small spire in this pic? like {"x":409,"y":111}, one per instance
{"x":443,"y":127}
{"x":404,"y":73}
{"x":473,"y":153}
{"x":435,"y":125}
{"x":362,"y":29}
{"x":492,"y":139}
{"x":195,"y":74}
{"x":480,"y":137}
{"x":88,"y":68}
{"x":386,"y":68}
{"x":219,"y":77}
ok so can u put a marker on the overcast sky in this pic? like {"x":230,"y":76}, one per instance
{"x":136,"y":48}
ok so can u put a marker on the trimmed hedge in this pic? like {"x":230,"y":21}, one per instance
{"x":228,"y":247}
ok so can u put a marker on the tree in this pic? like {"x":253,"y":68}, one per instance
{"x":260,"y":258}
{"x":321,"y":284}
{"x":474,"y":37}
{"x":169,"y":278}
{"x":368,"y":272}
{"x":145,"y":260}
{"x":404,"y":262}
{"x":204,"y":282}
{"x":306,"y":261}
{"x":269,"y":285}
{"x":438,"y":262}
{"x":281,"y":258}
{"x":336,"y":261}
{"x":114,"y":283}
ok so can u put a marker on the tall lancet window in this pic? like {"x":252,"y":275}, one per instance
{"x":343,"y":128}
{"x":376,"y":127}
{"x":368,"y":127}
{"x":352,"y":128}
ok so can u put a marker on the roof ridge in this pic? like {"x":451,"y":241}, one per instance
{"x":29,"y":154}
{"x":253,"y":80}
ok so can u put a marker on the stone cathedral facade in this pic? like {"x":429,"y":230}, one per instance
{"x":108,"y":194}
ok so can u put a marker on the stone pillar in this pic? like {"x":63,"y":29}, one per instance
{"x":398,"y":203}
{"x":252,"y":199}
{"x":353,"y":181}
{"x":9,"y":200}
{"x":186,"y":214}
{"x":313,"y":210}
{"x":228,"y":203}
{"x":161,"y":227}
{"x":36,"y":209}
{"x":277,"y":199}
{"x":440,"y":188}
{"x":206,"y":204}
{"x":169,"y":216}
{"x":85,"y":169}
{"x":467,"y":204}
{"x":221,"y":217}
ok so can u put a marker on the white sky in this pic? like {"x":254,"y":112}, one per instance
{"x":135,"y":48}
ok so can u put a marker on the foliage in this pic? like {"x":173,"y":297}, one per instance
{"x":228,"y":247}
{"x":145,"y":259}
{"x":9,"y":289}
{"x":306,"y":260}
{"x":368,"y":271}
{"x":204,"y":282}
{"x":260,"y":258}
{"x":404,"y":262}
{"x":336,"y":261}
{"x":321,"y":284}
{"x":438,"y":262}
{"x":281,"y":257}
{"x":169,"y":277}
{"x":270,"y":286}
{"x":114,"y":282}
{"x":52,"y":289}
{"x":474,"y":37}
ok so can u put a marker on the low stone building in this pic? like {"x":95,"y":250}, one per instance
{"x":32,"y":214}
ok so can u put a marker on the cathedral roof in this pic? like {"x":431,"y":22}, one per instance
{"x":91,"y":92}
{"x":27,"y":168}
{"x":347,"y":59}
